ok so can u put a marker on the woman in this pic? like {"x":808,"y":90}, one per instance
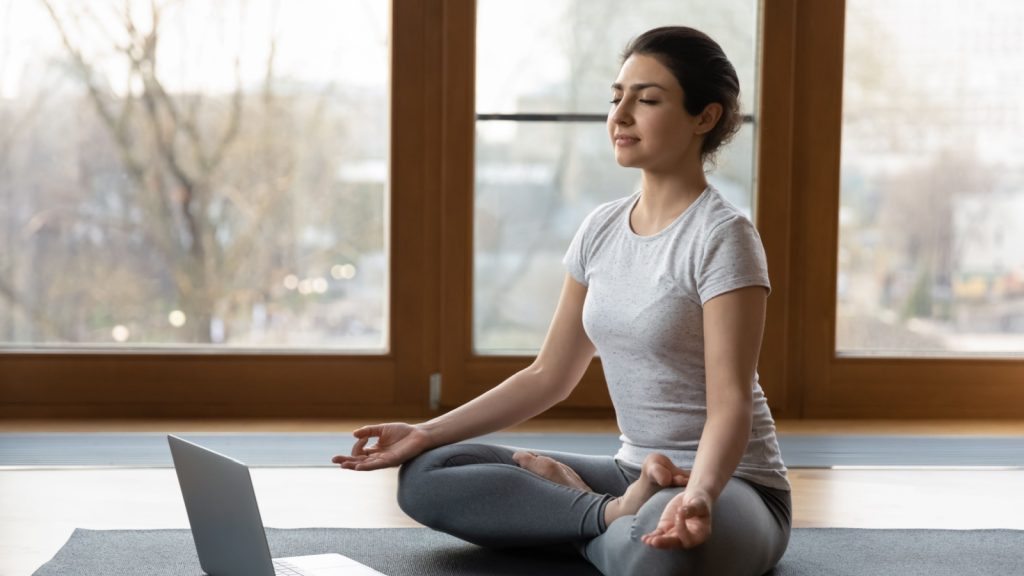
{"x":670,"y":286}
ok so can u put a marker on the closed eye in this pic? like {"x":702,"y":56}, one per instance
{"x":642,"y":101}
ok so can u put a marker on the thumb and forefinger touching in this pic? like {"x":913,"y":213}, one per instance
{"x":363,"y":458}
{"x":684,"y":524}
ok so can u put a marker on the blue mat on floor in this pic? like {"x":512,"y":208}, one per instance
{"x":303,"y":449}
{"x":423,"y":552}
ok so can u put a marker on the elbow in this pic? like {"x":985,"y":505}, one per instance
{"x":734,"y":418}
{"x":732,"y":410}
{"x":549,"y":383}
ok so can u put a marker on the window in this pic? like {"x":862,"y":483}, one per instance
{"x":932,"y":205}
{"x":194,"y":175}
{"x":849,"y":352}
{"x":543,"y":160}
{"x":482,"y":184}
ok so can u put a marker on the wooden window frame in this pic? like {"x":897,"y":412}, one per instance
{"x":215,"y":383}
{"x":432,"y":57}
{"x":796,"y":210}
{"x":828,"y":385}
{"x":467,"y":374}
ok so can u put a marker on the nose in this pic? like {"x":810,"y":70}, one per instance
{"x":620,"y":115}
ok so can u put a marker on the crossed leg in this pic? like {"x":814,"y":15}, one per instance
{"x":501,"y":496}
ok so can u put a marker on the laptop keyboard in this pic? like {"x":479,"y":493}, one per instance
{"x":282,"y":568}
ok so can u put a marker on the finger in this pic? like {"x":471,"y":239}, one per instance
{"x":654,"y":533}
{"x":360,"y":463}
{"x":694,"y":539}
{"x":680,"y":479}
{"x":698,"y":509}
{"x":662,"y":539}
{"x":682,"y":530}
{"x":357,"y":448}
{"x":377,"y":461}
{"x":698,"y":533}
{"x":342,"y":459}
{"x":665,"y":526}
{"x":666,"y":523}
{"x":665,"y":542}
{"x":368,"y":431}
{"x":371,"y":465}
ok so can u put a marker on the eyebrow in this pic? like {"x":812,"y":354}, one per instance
{"x":639,"y":86}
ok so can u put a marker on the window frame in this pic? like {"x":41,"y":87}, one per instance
{"x":826,"y":384}
{"x":432,"y":57}
{"x":466,"y":373}
{"x":217,"y":383}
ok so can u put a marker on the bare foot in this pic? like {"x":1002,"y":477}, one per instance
{"x":656,"y":473}
{"x":550,"y":469}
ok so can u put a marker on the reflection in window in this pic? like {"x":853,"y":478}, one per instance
{"x":537,"y":180}
{"x":193,"y":173}
{"x":932,"y":205}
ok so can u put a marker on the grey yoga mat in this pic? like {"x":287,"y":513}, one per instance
{"x":423,"y":552}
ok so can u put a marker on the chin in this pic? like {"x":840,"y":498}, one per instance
{"x":628,"y":162}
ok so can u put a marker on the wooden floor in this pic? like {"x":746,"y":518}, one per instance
{"x":39,"y":508}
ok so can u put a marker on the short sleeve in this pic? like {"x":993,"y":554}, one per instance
{"x":733,"y":258}
{"x":575,"y":257}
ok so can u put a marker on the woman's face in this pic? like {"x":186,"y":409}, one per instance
{"x":647,"y":124}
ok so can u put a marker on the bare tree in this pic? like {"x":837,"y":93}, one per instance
{"x":211,"y":179}
{"x":167,"y":158}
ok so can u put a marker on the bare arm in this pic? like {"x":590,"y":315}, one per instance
{"x":563,"y":358}
{"x":733,"y":327}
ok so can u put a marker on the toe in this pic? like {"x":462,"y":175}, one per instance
{"x":660,"y":469}
{"x":545,"y":466}
{"x":524,"y":459}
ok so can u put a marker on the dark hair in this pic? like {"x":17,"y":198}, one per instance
{"x":703,"y":71}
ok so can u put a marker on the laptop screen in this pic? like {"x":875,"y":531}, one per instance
{"x":222,"y":511}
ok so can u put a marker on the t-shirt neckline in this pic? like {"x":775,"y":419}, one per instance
{"x":632,"y":205}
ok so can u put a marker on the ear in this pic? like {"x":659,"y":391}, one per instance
{"x":708,"y":118}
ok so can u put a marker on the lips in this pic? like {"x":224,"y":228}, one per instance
{"x":623,"y":140}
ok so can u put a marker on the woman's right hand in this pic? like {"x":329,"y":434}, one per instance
{"x":396,"y":443}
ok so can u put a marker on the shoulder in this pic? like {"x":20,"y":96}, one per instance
{"x":601,"y":219}
{"x":597,"y":229}
{"x":609,"y":211}
{"x":732,"y":253}
{"x":720,"y":220}
{"x":717,"y":212}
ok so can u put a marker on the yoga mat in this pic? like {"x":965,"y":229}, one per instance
{"x":423,"y":552}
{"x":302,"y":449}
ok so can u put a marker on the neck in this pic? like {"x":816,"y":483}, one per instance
{"x":664,"y":193}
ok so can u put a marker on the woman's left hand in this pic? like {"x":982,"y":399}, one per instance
{"x":685,"y":522}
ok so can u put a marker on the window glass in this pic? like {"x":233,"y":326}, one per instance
{"x":932,"y":205}
{"x":537,"y":180}
{"x":194,"y":173}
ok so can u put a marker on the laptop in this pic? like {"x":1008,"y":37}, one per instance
{"x":226,"y":523}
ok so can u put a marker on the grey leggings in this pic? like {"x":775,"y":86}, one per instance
{"x":478,"y":493}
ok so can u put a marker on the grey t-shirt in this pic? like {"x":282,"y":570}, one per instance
{"x":644,"y":313}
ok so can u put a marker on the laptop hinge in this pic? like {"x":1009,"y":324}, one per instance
{"x":435,"y":391}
